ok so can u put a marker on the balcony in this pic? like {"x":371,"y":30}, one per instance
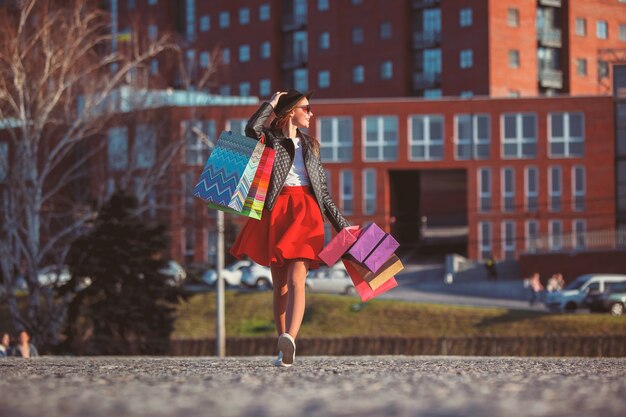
{"x":294,"y":59}
{"x":423,"y":80}
{"x":294,"y":22}
{"x":550,"y":3}
{"x":423,"y":40}
{"x":550,"y":78}
{"x":550,"y":37}
{"x":420,"y":4}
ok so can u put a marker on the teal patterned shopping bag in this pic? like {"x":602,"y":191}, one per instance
{"x":228,"y":173}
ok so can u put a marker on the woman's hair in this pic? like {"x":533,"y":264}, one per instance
{"x":282,"y":121}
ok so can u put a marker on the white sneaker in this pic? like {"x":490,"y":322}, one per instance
{"x":287,"y":346}
{"x":279,"y":361}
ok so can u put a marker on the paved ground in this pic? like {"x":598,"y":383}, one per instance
{"x":316,"y":387}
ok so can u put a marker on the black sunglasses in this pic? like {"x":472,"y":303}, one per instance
{"x":306,"y":108}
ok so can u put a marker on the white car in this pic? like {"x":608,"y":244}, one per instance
{"x":573,"y":295}
{"x":175,"y":272}
{"x":257,"y":276}
{"x":231,"y":274}
{"x":333,"y":280}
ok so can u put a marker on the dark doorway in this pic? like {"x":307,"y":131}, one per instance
{"x":429,"y":210}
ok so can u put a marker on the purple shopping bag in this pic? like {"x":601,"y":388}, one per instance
{"x":368,"y":239}
{"x":381,"y":253}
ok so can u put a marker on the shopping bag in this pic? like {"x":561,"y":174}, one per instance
{"x":339,"y":245}
{"x":376,"y":279}
{"x":253,"y":206}
{"x":228,"y":173}
{"x":381,"y":253}
{"x":368,"y":239}
{"x":365,"y":291}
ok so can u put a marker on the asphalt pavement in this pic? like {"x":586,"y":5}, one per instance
{"x":313,"y":387}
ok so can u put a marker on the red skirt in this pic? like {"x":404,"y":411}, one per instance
{"x":294,"y":229}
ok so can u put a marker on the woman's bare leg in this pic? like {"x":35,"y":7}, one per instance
{"x":297,"y":271}
{"x":279,"y":279}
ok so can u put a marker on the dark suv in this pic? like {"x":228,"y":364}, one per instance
{"x":613,"y":299}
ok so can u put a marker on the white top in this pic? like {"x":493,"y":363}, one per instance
{"x":297,"y":174}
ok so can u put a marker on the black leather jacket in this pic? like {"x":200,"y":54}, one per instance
{"x":285,"y":152}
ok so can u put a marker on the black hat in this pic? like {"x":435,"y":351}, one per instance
{"x":287,"y":101}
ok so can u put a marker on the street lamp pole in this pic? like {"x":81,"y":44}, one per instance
{"x":220,"y":324}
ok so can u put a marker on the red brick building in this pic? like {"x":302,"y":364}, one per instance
{"x":492,"y":176}
{"x":380,"y":48}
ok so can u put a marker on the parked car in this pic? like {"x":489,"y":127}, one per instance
{"x":257,"y":276}
{"x":573,"y":294}
{"x":333,"y":280}
{"x":175,"y":272}
{"x":613,"y":299}
{"x":231,"y":274}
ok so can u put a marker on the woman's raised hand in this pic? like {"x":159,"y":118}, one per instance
{"x":275,"y":97}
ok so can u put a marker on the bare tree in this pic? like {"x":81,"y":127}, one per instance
{"x":62,"y":84}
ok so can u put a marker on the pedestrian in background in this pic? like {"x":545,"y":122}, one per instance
{"x":5,"y":345}
{"x":24,"y":349}
{"x":536,"y":287}
{"x":490,"y":266}
{"x":290,"y":234}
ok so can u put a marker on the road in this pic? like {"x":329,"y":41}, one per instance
{"x":314,"y":387}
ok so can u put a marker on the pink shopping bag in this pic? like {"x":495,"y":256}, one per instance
{"x":339,"y":245}
{"x":362,"y":287}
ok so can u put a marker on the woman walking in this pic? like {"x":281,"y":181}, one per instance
{"x":290,"y":234}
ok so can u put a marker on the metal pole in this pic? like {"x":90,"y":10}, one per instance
{"x":220,"y":324}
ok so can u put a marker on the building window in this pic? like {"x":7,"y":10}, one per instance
{"x":532,"y":235}
{"x":602,"y":29}
{"x":426,"y":137}
{"x":472,"y":136}
{"x":603,"y":69}
{"x":358,"y":74}
{"x":581,"y":66}
{"x":465,"y":17}
{"x":324,"y":40}
{"x":4,"y":161}
{"x":531,"y":181}
{"x":484,"y":189}
{"x":508,"y":240}
{"x":323,"y":79}
{"x":244,"y":89}
{"x":555,"y":187}
{"x":189,"y":244}
{"x":154,"y":66}
{"x":581,"y":26}
{"x":301,"y":79}
{"x":347,"y":192}
{"x":466,"y":58}
{"x":386,"y":70}
{"x":225,"y":90}
{"x":264,"y":87}
{"x":144,"y":146}
{"x":335,"y":138}
{"x":520,"y":136}
{"x":152,"y":2}
{"x":244,"y":53}
{"x":224,"y":19}
{"x":369,"y":191}
{"x":579,"y":186}
{"x":244,"y":16}
{"x":197,"y":134}
{"x":432,"y":93}
{"x":466,"y":94}
{"x":357,"y":2}
{"x":566,"y":135}
{"x":622,"y":32}
{"x":117,"y":148}
{"x":513,"y":17}
{"x":205,"y":59}
{"x":322,"y":5}
{"x":357,"y":36}
{"x":508,"y":189}
{"x":555,"y":235}
{"x":153,"y":32}
{"x":266,"y":49}
{"x":190,"y":17}
{"x":237,"y":126}
{"x":211,"y":248}
{"x":579,"y":235}
{"x":205,"y":23}
{"x":514,"y":60}
{"x":385,"y":30}
{"x":131,"y":4}
{"x":381,"y":138}
{"x":264,"y":12}
{"x":226,"y":56}
{"x":484,"y":239}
